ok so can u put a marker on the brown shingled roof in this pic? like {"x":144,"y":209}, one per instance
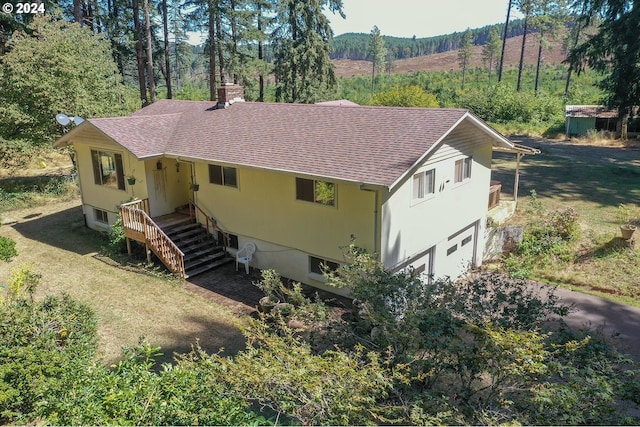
{"x":373,"y":145}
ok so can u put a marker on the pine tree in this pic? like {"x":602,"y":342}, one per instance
{"x":613,"y":51}
{"x":376,"y":53}
{"x":491,"y":51}
{"x":303,"y":70}
{"x":465,"y":52}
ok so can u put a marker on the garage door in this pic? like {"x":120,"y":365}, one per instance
{"x":457,"y":254}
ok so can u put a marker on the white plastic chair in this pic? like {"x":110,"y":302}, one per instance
{"x":245,"y":255}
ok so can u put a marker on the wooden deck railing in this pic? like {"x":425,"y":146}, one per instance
{"x":194,"y":208}
{"x":494,"y":193}
{"x":139,"y":226}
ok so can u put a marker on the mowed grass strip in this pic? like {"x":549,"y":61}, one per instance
{"x":129,"y":304}
{"x":593,"y":179}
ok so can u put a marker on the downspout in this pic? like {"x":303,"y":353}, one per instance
{"x":376,"y":240}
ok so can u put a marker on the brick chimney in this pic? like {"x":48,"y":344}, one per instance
{"x":229,"y":93}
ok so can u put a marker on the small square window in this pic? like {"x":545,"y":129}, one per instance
{"x":466,"y":240}
{"x":101,"y":216}
{"x":223,"y":175}
{"x":321,"y":192}
{"x":452,"y":249}
{"x":316,"y":265}
{"x":232,"y":242}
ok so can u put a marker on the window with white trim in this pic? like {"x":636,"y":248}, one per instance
{"x":423,"y":184}
{"x":107,"y":169}
{"x":463,"y":169}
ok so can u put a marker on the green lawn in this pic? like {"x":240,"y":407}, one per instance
{"x":594,"y":180}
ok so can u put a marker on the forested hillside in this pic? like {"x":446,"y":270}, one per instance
{"x":354,"y":45}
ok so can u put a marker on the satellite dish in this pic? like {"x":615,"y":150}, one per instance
{"x":77,"y":120}
{"x":63,"y":119}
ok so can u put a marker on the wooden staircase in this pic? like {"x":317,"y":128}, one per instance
{"x":182,"y":244}
{"x":201,"y":252}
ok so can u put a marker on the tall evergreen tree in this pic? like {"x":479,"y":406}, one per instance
{"x":491,"y":51}
{"x":525,"y":6}
{"x":465,"y":52}
{"x":614,"y":51}
{"x":303,"y":70}
{"x":504,"y":40}
{"x":167,"y":58}
{"x":548,"y":18}
{"x":376,"y":53}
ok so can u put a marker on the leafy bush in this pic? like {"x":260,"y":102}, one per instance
{"x":501,"y":104}
{"x":117,"y":238}
{"x":45,"y":349}
{"x":479,"y":351}
{"x":7,"y":248}
{"x":546,"y":239}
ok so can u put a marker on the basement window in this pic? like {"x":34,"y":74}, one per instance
{"x":107,"y":169}
{"x":321,"y":192}
{"x":316,"y":265}
{"x":101,"y":216}
{"x":223,"y":175}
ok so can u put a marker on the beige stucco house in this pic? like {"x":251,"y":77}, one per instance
{"x":300,"y":181}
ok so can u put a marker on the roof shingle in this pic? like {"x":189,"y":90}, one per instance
{"x":373,"y":145}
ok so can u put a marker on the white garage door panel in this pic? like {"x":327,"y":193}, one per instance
{"x":456,"y":254}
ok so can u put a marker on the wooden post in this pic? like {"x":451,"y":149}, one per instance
{"x":148,"y":251}
{"x":516,"y":181}
{"x":128,"y":246}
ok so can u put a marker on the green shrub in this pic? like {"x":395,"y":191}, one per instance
{"x":117,"y":238}
{"x":479,"y":351}
{"x":7,"y":248}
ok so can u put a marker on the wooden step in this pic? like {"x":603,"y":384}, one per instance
{"x":202,"y":251}
{"x":185,"y":235}
{"x":209,"y":258}
{"x":195,"y":239}
{"x":181,"y":228}
{"x":208,"y":267}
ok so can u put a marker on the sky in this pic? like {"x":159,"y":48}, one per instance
{"x":408,"y":18}
{"x":420,"y":18}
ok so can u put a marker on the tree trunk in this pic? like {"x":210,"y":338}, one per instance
{"x":260,"y":57}
{"x":521,"y":65}
{"x":212,"y":51}
{"x":139,"y":54}
{"x":219,"y":47}
{"x":152,"y":83}
{"x":624,"y":124}
{"x":77,"y":12}
{"x":167,"y":59}
{"x":373,"y":77}
{"x":234,"y":40}
{"x":538,"y":65}
{"x":504,"y":41}
{"x":294,"y":38}
{"x":574,"y":44}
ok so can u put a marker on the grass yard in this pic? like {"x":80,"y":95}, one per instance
{"x":129,"y":303}
{"x":593,"y":179}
